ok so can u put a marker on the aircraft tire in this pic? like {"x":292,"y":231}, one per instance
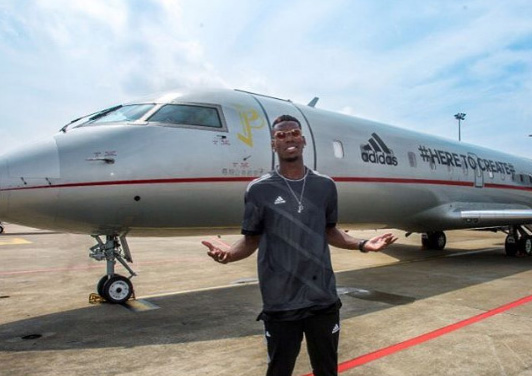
{"x":1,"y":229}
{"x":117,"y":290}
{"x":525,"y":245}
{"x":99,"y":287}
{"x":434,"y":240}
{"x":510,"y":246}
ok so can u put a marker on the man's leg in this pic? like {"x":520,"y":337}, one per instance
{"x":284,"y":342}
{"x":322,"y":333}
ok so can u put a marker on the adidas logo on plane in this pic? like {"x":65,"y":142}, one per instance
{"x":376,"y":151}
{"x":279,"y":200}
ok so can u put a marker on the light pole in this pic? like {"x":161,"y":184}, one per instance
{"x":459,"y":116}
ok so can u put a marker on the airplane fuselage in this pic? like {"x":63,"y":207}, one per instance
{"x":165,"y":177}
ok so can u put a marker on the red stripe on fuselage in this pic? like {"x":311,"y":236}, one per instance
{"x":248,"y":179}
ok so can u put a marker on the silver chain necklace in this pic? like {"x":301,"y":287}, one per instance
{"x":300,"y":206}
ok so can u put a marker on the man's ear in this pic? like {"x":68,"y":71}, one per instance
{"x":273,"y":146}
{"x":304,"y":141}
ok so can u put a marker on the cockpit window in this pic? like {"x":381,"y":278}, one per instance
{"x":180,"y":114}
{"x":119,"y":114}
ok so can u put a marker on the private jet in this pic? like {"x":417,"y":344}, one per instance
{"x":179,"y":163}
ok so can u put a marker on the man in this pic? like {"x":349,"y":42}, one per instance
{"x":290,"y":215}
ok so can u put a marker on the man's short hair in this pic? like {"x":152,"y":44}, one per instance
{"x":282,"y":118}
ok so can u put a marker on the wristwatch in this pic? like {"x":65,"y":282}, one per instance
{"x":361,"y":246}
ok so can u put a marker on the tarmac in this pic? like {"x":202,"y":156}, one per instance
{"x":466,"y":310}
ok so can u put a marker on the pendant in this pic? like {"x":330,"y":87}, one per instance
{"x":300,"y":208}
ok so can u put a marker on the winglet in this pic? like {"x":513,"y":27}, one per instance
{"x":313,"y":102}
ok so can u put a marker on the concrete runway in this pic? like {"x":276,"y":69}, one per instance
{"x":406,"y":311}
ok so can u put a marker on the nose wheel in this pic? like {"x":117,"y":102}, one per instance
{"x":114,"y":288}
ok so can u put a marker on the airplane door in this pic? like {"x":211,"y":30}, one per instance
{"x":479,"y":174}
{"x":273,"y":108}
{"x":248,"y":152}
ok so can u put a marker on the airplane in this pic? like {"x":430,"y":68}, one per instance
{"x":179,"y":163}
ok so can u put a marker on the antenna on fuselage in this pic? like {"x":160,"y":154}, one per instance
{"x":313,"y":102}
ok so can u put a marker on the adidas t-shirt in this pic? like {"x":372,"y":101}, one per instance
{"x":294,"y":263}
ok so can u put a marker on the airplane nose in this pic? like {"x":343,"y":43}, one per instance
{"x":34,"y":163}
{"x":25,"y":176}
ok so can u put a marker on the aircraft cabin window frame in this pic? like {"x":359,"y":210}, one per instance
{"x":105,"y":117}
{"x":412,"y":160}
{"x":215,"y":110}
{"x":338,"y":149}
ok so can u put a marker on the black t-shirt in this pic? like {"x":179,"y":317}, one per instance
{"x":294,"y":263}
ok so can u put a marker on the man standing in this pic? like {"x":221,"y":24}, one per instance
{"x":290,"y":216}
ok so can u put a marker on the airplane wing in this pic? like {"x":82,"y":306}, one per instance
{"x":514,"y":216}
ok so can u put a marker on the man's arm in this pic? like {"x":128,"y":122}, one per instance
{"x":242,"y":248}
{"x":340,"y":239}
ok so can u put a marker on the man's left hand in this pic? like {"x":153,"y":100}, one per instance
{"x":378,"y":243}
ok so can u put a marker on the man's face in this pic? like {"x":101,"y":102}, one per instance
{"x":288,"y":141}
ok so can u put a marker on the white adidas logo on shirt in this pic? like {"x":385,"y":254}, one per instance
{"x":336,"y":329}
{"x":279,"y":200}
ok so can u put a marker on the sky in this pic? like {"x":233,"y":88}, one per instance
{"x":411,"y":63}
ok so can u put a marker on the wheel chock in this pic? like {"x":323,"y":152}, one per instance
{"x":95,"y":298}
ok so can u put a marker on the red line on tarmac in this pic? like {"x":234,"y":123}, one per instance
{"x":87,"y":267}
{"x":48,"y":270}
{"x":363,"y":359}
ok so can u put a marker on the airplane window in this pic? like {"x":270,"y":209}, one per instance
{"x":412,"y":159}
{"x":120,"y":114}
{"x":338,"y":149}
{"x":187,"y":115}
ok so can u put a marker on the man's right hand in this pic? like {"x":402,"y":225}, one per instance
{"x":216,"y":253}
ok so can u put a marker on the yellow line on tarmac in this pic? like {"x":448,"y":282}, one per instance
{"x":14,"y":241}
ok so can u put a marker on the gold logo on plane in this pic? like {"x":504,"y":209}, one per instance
{"x":250,"y":120}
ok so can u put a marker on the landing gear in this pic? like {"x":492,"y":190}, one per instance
{"x":114,"y":288}
{"x":518,"y":242}
{"x":434,"y":240}
{"x":1,"y":228}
